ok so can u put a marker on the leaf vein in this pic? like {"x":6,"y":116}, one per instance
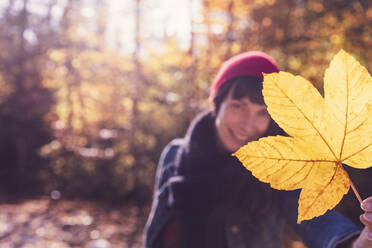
{"x":323,"y":189}
{"x":299,"y":109}
{"x":347,"y":113}
{"x":357,"y":151}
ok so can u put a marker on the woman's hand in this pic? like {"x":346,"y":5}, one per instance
{"x":365,"y":238}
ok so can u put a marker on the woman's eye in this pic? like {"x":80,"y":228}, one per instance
{"x":236,"y":105}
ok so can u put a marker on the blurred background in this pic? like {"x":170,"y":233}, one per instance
{"x":92,"y":90}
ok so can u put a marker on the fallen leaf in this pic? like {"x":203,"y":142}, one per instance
{"x":325,"y":133}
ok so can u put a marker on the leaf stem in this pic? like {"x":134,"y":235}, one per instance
{"x":355,"y":191}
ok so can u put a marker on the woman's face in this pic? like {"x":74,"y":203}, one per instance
{"x":240,"y":121}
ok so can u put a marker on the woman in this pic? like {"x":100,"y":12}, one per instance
{"x":205,"y":198}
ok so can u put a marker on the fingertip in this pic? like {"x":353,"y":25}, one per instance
{"x":363,"y":219}
{"x":366,"y":205}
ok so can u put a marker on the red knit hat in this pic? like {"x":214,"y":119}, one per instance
{"x":252,"y":63}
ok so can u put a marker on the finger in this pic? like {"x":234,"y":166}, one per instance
{"x":365,"y":219}
{"x":367,"y":204}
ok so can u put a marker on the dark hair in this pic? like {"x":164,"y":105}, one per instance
{"x":245,"y":86}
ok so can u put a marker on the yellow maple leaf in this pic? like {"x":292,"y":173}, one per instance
{"x":325,"y":133}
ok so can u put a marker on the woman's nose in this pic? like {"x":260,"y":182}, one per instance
{"x":248,"y":125}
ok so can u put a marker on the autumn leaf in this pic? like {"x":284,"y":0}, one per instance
{"x":325,"y":133}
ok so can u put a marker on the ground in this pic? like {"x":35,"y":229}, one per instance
{"x":45,"y":223}
{"x":70,"y":224}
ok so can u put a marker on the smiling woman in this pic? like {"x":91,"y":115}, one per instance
{"x":205,"y":198}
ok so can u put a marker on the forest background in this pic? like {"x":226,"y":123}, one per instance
{"x":88,"y":100}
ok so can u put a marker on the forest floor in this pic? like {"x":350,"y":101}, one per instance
{"x":46,"y":223}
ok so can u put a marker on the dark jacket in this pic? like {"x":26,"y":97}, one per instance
{"x":216,"y":202}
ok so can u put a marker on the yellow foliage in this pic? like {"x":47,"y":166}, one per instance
{"x":294,"y":63}
{"x":5,"y":89}
{"x":336,"y":39}
{"x":369,"y":13}
{"x":58,"y":56}
{"x":316,"y":6}
{"x":266,"y":22}
{"x":89,"y":86}
{"x":235,"y":48}
{"x":324,"y":134}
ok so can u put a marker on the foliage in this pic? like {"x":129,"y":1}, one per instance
{"x":324,"y":134}
{"x":82,"y":115}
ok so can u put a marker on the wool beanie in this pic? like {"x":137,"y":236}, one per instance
{"x":252,"y":63}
